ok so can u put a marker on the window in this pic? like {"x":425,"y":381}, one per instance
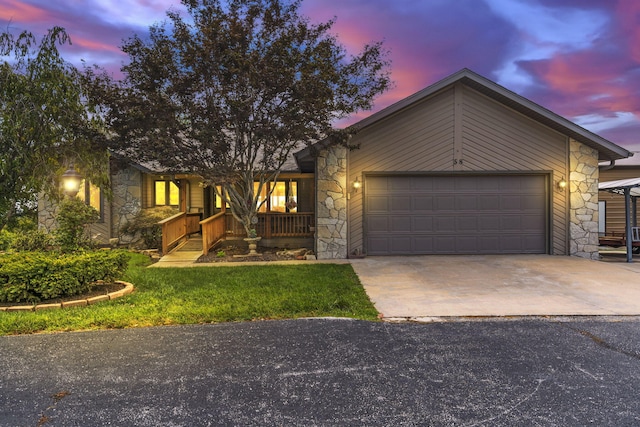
{"x":283,"y":198}
{"x":218,"y":199}
{"x":91,"y":195}
{"x":167,"y":193}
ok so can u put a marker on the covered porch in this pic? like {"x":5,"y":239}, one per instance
{"x":203,"y":215}
{"x":222,"y":226}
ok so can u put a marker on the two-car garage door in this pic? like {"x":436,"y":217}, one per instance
{"x":458,"y":214}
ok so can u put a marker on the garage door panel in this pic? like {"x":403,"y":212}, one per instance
{"x":489,"y":224}
{"x":422,"y":244}
{"x":379,"y":245}
{"x":532,"y":243}
{"x":398,"y":183}
{"x":445,"y":203}
{"x":466,"y":224}
{"x":490,"y":245}
{"x":401,"y":245}
{"x":400,"y":224}
{"x":489,"y":202}
{"x":533,"y":203}
{"x":467,"y":204}
{"x":511,"y":203}
{"x":444,"y":245}
{"x":377,"y":204}
{"x":445,"y":224}
{"x":511,"y":223}
{"x":531,"y":222}
{"x":400,"y":204}
{"x":422,"y":224}
{"x":456,"y":214}
{"x":423,"y":203}
{"x":378,"y":224}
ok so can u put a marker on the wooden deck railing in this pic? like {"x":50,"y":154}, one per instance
{"x":275,"y":224}
{"x":177,"y":227}
{"x":221,"y":225}
{"x":213,"y":230}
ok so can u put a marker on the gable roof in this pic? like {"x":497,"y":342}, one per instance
{"x":607,"y":150}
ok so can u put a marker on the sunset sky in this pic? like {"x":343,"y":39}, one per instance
{"x":578,"y":58}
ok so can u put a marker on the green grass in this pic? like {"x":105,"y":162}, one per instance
{"x":172,"y":296}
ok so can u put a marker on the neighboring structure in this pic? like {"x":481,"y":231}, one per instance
{"x":464,"y":166}
{"x":612,"y":210}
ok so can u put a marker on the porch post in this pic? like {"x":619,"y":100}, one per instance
{"x":627,"y":212}
{"x":183,"y":195}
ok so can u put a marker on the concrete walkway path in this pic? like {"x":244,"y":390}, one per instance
{"x":495,"y":285}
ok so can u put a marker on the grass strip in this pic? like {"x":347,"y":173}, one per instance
{"x":171,"y":296}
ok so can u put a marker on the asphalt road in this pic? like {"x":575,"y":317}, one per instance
{"x":328,"y":372}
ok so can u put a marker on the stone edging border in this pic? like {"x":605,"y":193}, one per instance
{"x":128,"y":288}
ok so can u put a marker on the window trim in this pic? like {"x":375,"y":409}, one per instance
{"x":167,"y":195}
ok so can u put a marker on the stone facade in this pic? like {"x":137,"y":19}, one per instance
{"x":126,"y":186}
{"x":331,"y":230}
{"x":583,"y":187}
{"x":47,"y":212}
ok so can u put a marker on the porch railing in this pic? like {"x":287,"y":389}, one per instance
{"x":213,"y":230}
{"x":177,"y":227}
{"x":275,"y":224}
{"x":222,"y":225}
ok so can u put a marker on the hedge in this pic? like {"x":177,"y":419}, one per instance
{"x":36,"y":276}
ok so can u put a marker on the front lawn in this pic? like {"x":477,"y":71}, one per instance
{"x":171,"y":296}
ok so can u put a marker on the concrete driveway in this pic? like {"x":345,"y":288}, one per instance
{"x":499,"y":285}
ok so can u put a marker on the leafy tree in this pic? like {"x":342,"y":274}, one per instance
{"x":229,"y":92}
{"x":45,"y":122}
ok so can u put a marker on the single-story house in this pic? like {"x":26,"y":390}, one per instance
{"x":464,"y":166}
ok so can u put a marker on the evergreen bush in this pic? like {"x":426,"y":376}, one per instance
{"x":73,"y":217}
{"x":36,"y":276}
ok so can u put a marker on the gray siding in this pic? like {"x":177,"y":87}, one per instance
{"x":460,"y":130}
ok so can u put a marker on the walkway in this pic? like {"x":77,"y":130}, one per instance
{"x":185,"y":253}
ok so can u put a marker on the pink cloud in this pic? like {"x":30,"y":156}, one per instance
{"x":14,"y":10}
{"x":95,"y":45}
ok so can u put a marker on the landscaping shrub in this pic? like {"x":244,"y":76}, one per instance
{"x":32,"y":240}
{"x":6,"y":239}
{"x":36,"y":276}
{"x":145,"y":225}
{"x":72,"y":218}
{"x":19,"y":232}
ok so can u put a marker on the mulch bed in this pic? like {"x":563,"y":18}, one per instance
{"x":230,"y":253}
{"x":97,"y":290}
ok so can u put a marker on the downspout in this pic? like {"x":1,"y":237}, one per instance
{"x":608,"y":167}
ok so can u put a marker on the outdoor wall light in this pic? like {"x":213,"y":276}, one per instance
{"x":71,"y":181}
{"x":357,"y":184}
{"x":562,"y":184}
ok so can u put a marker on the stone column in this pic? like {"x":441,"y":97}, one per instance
{"x":583,"y":187}
{"x":47,"y":213}
{"x":126,"y":184}
{"x":331,"y":176}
